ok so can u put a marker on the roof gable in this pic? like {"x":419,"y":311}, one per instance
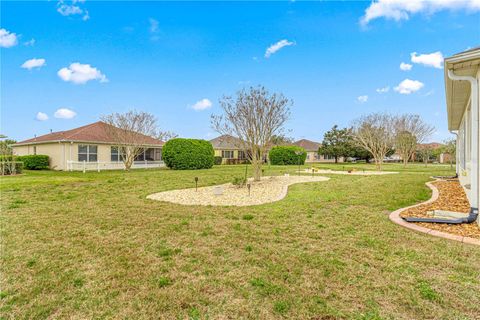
{"x":307,"y":144}
{"x":226,"y":142}
{"x":97,"y":132}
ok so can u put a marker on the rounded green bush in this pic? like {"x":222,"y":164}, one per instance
{"x":281,"y":155}
{"x":184,"y":154}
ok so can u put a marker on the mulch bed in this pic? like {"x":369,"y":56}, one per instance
{"x":451,"y":197}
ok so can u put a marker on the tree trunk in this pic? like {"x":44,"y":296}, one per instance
{"x":405,"y":160}
{"x":257,"y":170}
{"x":336,"y":159}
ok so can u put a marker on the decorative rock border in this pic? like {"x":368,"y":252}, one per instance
{"x":270,"y":189}
{"x":395,"y":217}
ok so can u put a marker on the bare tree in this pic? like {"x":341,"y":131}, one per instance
{"x":410,"y":130}
{"x":425,"y":151}
{"x":374,"y":132}
{"x":130,"y":131}
{"x":254,"y":116}
{"x":166,"y":135}
{"x":450,"y":148}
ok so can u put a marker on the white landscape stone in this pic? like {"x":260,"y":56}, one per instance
{"x":269,"y":189}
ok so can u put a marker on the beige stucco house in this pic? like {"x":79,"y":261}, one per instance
{"x":312,"y":151}
{"x":230,"y":149}
{"x":462,"y":81}
{"x":88,"y":148}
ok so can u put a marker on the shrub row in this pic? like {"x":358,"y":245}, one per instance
{"x":281,"y":155}
{"x":184,"y":154}
{"x":30,"y":162}
{"x":34,"y":162}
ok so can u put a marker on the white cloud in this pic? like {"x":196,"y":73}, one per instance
{"x":277,"y":46}
{"x":408,"y":86}
{"x":72,"y":9}
{"x":29,"y":43}
{"x":41,"y":116}
{"x":362,"y":99}
{"x":405,"y":66}
{"x":153,"y":25}
{"x":202,"y":105}
{"x":7,"y":39}
{"x":402,"y":9}
{"x":81,"y":73}
{"x":33,"y":63}
{"x":383,"y":90}
{"x":64,"y":113}
{"x":434,"y":59}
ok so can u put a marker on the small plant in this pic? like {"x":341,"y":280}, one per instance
{"x":239,"y":181}
{"x":281,"y":306}
{"x":163,"y":282}
{"x":247,"y":217}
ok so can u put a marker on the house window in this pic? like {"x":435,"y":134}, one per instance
{"x":115,"y":155}
{"x":227,"y":154}
{"x":241,"y":155}
{"x":328,"y":157}
{"x":87,"y":153}
{"x":34,"y":149}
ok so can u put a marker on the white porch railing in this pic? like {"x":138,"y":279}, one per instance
{"x":99,"y":165}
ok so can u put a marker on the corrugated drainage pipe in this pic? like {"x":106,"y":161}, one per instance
{"x":472,"y":217}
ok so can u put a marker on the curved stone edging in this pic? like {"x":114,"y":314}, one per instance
{"x":395,"y":217}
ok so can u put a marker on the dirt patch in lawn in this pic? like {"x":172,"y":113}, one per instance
{"x":451,"y":197}
{"x":268,"y":189}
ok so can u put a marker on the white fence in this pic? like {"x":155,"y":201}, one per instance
{"x":98,"y":166}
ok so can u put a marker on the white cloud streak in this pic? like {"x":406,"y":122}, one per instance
{"x":405,"y":66}
{"x":201,"y":105}
{"x":434,"y":59}
{"x":403,"y":9}
{"x":7,"y":39}
{"x":383,"y":90}
{"x":72,"y":9}
{"x":64,"y":113}
{"x":408,"y":86}
{"x":41,"y":116}
{"x":33,"y":63}
{"x":362,"y":99}
{"x":277,"y":46}
{"x":81,"y":73}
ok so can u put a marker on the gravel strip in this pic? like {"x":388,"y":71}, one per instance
{"x":268,"y":189}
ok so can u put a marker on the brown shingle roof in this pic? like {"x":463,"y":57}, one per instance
{"x":226,"y":142}
{"x":95,"y":132}
{"x":307,"y":144}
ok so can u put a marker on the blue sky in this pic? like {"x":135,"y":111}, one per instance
{"x":171,"y":58}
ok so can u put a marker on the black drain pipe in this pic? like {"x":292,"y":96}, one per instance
{"x":472,"y":217}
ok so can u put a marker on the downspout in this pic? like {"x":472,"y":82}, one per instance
{"x":473,"y":215}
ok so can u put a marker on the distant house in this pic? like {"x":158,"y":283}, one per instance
{"x":462,"y":81}
{"x":230,"y":149}
{"x":440,"y":157}
{"x":312,"y":151}
{"x":88,"y":148}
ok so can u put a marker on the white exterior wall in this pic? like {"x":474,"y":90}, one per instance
{"x":468,"y":151}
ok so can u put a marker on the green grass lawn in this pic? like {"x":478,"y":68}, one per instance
{"x":84,"y":246}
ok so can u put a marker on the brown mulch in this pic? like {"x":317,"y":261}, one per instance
{"x":451,"y":197}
